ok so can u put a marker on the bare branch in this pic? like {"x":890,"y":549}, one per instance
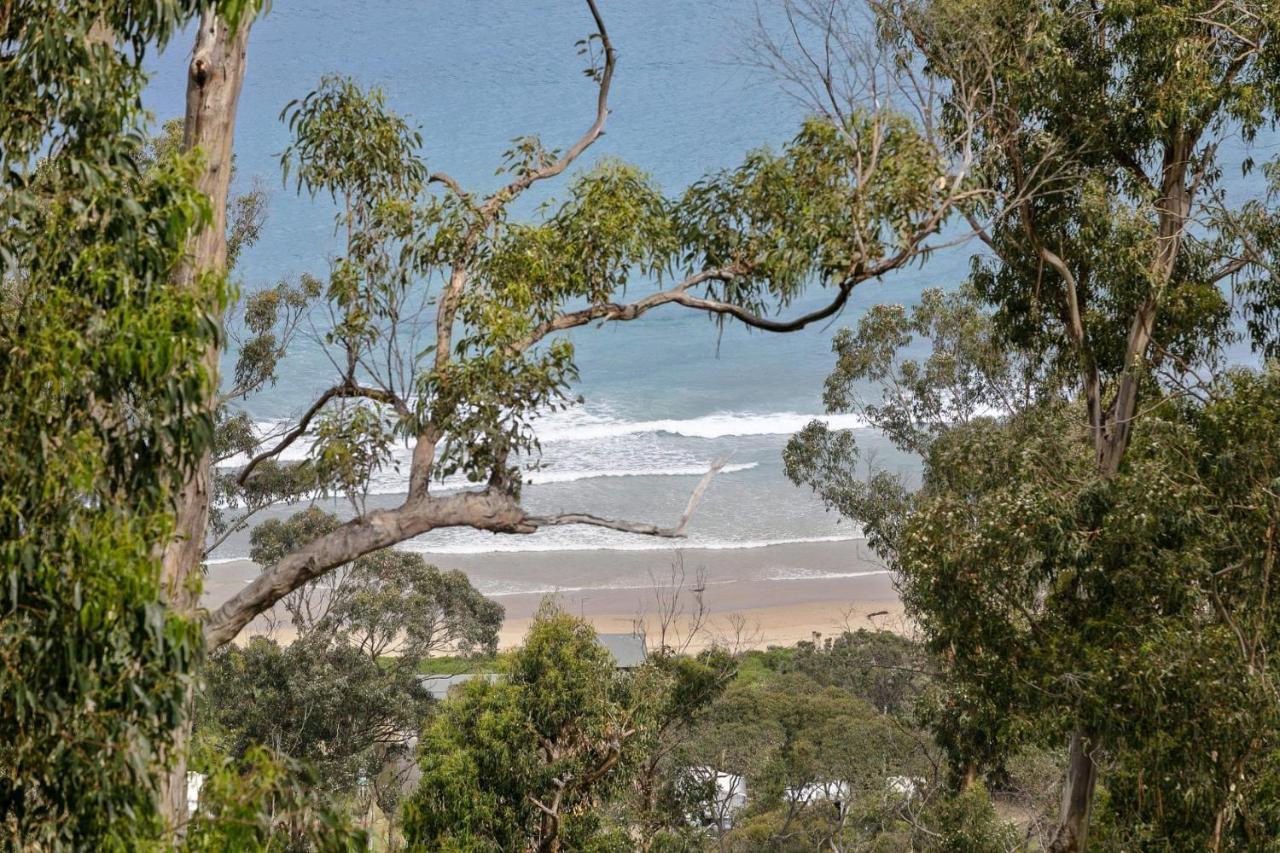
{"x":496,"y":202}
{"x":492,"y":509}
{"x":643,"y":528}
{"x":614,"y":311}
{"x":715,"y":306}
{"x":345,"y":390}
{"x":486,"y":510}
{"x":1230,"y":268}
{"x":449,"y":181}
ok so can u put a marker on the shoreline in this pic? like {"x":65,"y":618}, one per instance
{"x":751,"y":597}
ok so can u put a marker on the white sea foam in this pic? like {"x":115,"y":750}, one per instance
{"x":721,"y":425}
{"x":818,"y":575}
{"x":551,"y":475}
{"x":395,"y":482}
{"x":577,"y":425}
{"x":586,"y":538}
{"x":498,"y":589}
{"x":582,"y":446}
{"x":578,"y":537}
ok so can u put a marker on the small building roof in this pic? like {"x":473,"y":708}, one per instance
{"x":628,"y":650}
{"x":438,"y":686}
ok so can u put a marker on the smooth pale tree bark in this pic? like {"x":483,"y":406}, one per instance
{"x":214,"y":79}
{"x":491,"y":509}
{"x":1077,"y":796}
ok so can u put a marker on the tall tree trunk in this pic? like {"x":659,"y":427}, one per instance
{"x":1112,"y":435}
{"x":1077,"y":796}
{"x":214,"y":79}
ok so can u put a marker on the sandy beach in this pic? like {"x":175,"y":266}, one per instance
{"x":752,"y":597}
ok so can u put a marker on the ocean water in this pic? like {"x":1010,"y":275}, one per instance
{"x":664,"y":395}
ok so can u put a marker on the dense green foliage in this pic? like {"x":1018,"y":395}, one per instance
{"x":323,"y":703}
{"x":343,"y":697}
{"x":1138,"y":604}
{"x":263,"y":801}
{"x":686,"y":753}
{"x":1089,"y":552}
{"x":100,"y":393}
{"x":821,"y":767}
{"x":1087,"y":549}
{"x":530,"y":760}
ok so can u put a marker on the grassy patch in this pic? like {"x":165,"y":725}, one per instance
{"x":753,"y":668}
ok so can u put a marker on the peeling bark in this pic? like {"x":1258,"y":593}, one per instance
{"x":214,"y":79}
{"x":1077,"y":797}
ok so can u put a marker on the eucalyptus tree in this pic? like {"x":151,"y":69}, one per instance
{"x":343,"y":695}
{"x":842,"y":205}
{"x":1011,"y":542}
{"x":829,"y":211}
{"x":531,"y":761}
{"x":215,"y":76}
{"x":101,"y":390}
{"x":1102,"y":132}
{"x":838,"y":206}
{"x":1124,"y":128}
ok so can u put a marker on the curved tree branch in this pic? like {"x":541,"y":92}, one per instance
{"x":485,"y":510}
{"x":346,"y":390}
{"x":645,"y":529}
{"x":492,"y":510}
{"x":513,"y":189}
{"x":449,"y":181}
{"x":615,"y":311}
{"x":679,"y":295}
{"x":451,"y":298}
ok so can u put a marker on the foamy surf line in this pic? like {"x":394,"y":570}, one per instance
{"x":501,"y":590}
{"x":721,"y":425}
{"x":578,"y":425}
{"x":777,"y":576}
{"x":519,"y":544}
{"x":551,"y":476}
{"x":397,"y":483}
{"x":817,"y":575}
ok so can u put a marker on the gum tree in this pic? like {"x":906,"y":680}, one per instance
{"x":1123,"y":118}
{"x":532,"y":760}
{"x":215,"y":76}
{"x":344,"y":694}
{"x":840,"y":205}
{"x":1102,"y":133}
{"x":1011,"y":543}
{"x":844,"y":203}
{"x":101,"y":390}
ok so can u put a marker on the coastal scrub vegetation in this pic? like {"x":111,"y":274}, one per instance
{"x":1088,"y":553}
{"x":445,"y":315}
{"x":1090,"y":547}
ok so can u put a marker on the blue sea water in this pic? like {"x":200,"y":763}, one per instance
{"x":664,"y":395}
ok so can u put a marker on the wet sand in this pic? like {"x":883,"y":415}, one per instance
{"x":752,"y":597}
